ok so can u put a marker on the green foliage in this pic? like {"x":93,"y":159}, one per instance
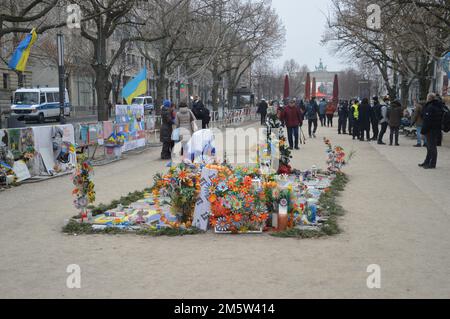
{"x":76,"y":228}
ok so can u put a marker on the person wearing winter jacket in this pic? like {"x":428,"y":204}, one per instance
{"x":165,"y":135}
{"x":343,"y":112}
{"x":323,"y":111}
{"x":395,"y":114}
{"x":432,"y":128}
{"x":364,"y":119}
{"x":312,"y":112}
{"x":417,"y":120}
{"x":292,"y":117}
{"x":330,"y":114}
{"x":375,"y":116}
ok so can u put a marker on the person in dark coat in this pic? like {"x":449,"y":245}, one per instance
{"x":432,"y":128}
{"x":312,"y":115}
{"x":262,"y":110}
{"x":166,"y":130}
{"x":375,"y":117}
{"x":364,"y":119}
{"x":343,"y":113}
{"x":395,"y":114}
{"x":292,"y":117}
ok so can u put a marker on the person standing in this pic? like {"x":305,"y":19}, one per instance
{"x":292,"y":117}
{"x":384,"y":121}
{"x":184,"y":121}
{"x":355,"y":116}
{"x":351,"y":120}
{"x":364,"y":119}
{"x":322,"y":112}
{"x":432,"y":128}
{"x":395,"y":114}
{"x":417,"y":120}
{"x":330,"y":114}
{"x":165,"y":135}
{"x":375,"y":117}
{"x":262,"y":110}
{"x":343,"y":112}
{"x":312,"y":112}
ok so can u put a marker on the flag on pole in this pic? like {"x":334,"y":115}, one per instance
{"x":135,"y":87}
{"x":20,"y":57}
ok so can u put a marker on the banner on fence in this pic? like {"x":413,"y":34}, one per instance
{"x":130,"y":121}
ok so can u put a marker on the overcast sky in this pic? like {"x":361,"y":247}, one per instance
{"x":305,"y":22}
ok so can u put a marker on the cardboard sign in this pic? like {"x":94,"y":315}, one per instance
{"x":203,"y":206}
{"x":21,"y":171}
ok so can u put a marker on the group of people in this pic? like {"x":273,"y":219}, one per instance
{"x":182,"y":118}
{"x":364,"y":117}
{"x":364,"y":120}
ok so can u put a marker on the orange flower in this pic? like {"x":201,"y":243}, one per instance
{"x":237,"y":218}
{"x":183,"y":176}
{"x":212,"y":198}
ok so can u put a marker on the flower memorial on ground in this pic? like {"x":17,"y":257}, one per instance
{"x":84,"y":191}
{"x":239,"y":200}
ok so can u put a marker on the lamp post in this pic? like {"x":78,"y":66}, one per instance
{"x":61,"y":77}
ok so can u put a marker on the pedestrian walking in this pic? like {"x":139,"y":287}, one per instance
{"x":343,"y":112}
{"x":292,"y":117}
{"x":432,"y":128}
{"x":395,"y":114}
{"x":312,"y":113}
{"x":322,"y":112}
{"x":417,"y":120}
{"x":375,"y":117}
{"x":364,"y":119}
{"x":262,"y":111}
{"x":330,"y":114}
{"x":165,"y":135}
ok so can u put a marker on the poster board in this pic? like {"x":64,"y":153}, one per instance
{"x":43,"y":137}
{"x":130,"y":121}
{"x":203,"y":206}
{"x":21,"y":171}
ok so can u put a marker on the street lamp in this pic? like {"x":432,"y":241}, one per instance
{"x":61,"y":77}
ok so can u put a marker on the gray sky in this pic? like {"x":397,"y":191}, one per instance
{"x":305,"y":22}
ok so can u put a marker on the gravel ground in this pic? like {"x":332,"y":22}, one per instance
{"x":398,"y":217}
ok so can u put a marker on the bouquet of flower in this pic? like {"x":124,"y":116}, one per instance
{"x":84,"y":187}
{"x":237,"y":205}
{"x":336,"y":157}
{"x":182,"y":186}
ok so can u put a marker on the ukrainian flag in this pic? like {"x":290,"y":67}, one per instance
{"x":136,"y":87}
{"x":19,"y":59}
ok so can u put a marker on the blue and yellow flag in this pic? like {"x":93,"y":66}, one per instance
{"x":136,"y":87}
{"x":19,"y":59}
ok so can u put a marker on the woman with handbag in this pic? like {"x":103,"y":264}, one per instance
{"x":185,"y":123}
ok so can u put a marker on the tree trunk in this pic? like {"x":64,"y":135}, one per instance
{"x":103,"y":89}
{"x":161,"y":88}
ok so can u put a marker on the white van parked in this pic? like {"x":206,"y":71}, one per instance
{"x":39,"y":104}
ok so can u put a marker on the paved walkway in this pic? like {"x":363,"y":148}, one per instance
{"x":397,"y":217}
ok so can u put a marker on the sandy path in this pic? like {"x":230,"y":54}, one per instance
{"x":397,"y":217}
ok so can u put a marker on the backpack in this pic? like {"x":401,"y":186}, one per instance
{"x":446,"y":120}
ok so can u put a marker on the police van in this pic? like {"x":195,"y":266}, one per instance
{"x":38,"y":104}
